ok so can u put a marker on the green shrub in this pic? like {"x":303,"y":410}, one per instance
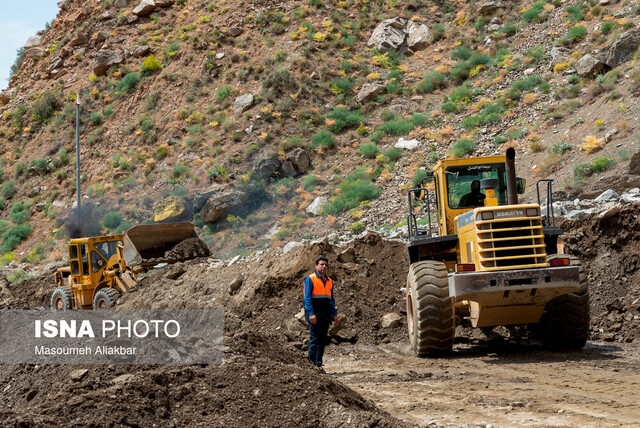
{"x":575,"y":13}
{"x":108,"y":111}
{"x":418,"y":176}
{"x":180,"y":171}
{"x":461,"y":52}
{"x":432,"y":81}
{"x":96,"y":118}
{"x":223,"y":93}
{"x":388,"y":115}
{"x":560,"y":148}
{"x":356,"y":188}
{"x":292,"y":143}
{"x":581,"y":171}
{"x":45,"y":107}
{"x":479,"y":59}
{"x":344,"y":118}
{"x":8,"y":189}
{"x":419,"y":119}
{"x":509,"y":29}
{"x":449,"y":107}
{"x":462,"y":147}
{"x":393,"y":127}
{"x":369,"y":150}
{"x":180,"y":191}
{"x":19,"y":213}
{"x":13,"y":236}
{"x":500,"y":139}
{"x":323,"y":138}
{"x":256,"y":189}
{"x":461,"y":93}
{"x":527,"y":84}
{"x":607,"y":27}
{"x":536,"y":53}
{"x":20,"y":55}
{"x":18,"y":276}
{"x":576,"y":34}
{"x":437,"y":32}
{"x":309,"y":182}
{"x":533,"y":13}
{"x":128,"y":82}
{"x":460,"y":72}
{"x":602,"y":163}
{"x":342,"y":84}
{"x":112,"y":220}
{"x":393,"y":154}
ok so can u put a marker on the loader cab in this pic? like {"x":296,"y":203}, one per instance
{"x":458,"y":190}
{"x":88,"y":259}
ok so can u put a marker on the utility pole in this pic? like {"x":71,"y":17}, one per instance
{"x":78,"y":155}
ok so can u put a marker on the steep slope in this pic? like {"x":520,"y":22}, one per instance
{"x":226,"y":100}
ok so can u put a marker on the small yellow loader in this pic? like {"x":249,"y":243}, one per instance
{"x":101,"y":268}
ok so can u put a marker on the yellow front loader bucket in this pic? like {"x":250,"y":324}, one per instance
{"x":150,"y":244}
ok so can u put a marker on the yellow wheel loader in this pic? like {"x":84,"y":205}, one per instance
{"x":101,"y":268}
{"x":489,"y":260}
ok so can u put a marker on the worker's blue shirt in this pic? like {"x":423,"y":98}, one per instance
{"x":308,"y":290}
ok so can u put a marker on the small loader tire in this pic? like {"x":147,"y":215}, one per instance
{"x":61,"y":299}
{"x":105,"y":298}
{"x":565,"y":322}
{"x":430,"y":311}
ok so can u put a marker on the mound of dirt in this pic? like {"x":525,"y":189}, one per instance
{"x":368,"y":275}
{"x":610,"y":252}
{"x":262,"y":382}
{"x":188,"y":249}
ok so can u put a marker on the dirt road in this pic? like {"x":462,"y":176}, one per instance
{"x":503,"y":385}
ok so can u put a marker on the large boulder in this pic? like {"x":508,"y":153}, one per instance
{"x":165,"y":3}
{"x":622,"y":49}
{"x":490,"y":7}
{"x":388,"y":35}
{"x":287,"y":169}
{"x":242,"y":104}
{"x":399,"y":34}
{"x":559,"y":55}
{"x":201,"y":198}
{"x":589,"y":65}
{"x":80,"y":38}
{"x":634,"y":164}
{"x":221,"y":203}
{"x":316,"y":206}
{"x":105,"y":60}
{"x":32,"y":42}
{"x":145,"y":7}
{"x":35,"y":53}
{"x":300,"y":160}
{"x":370,"y":91}
{"x":417,"y":36}
{"x":171,"y":209}
{"x":267,"y":165}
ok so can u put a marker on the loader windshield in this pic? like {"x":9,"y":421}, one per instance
{"x":107,"y":249}
{"x":463,"y":184}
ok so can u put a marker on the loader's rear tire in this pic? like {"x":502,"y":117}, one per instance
{"x":61,"y":299}
{"x":105,"y":298}
{"x":430,"y":311}
{"x":565,"y":322}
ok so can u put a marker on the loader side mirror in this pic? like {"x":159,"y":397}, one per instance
{"x":520,"y":185}
{"x":420,"y":194}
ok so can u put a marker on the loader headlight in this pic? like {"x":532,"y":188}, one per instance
{"x":532,"y":212}
{"x":487,"y":215}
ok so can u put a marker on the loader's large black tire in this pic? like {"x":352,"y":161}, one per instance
{"x":430,"y":311}
{"x":565,"y":322}
{"x":105,"y":298}
{"x":61,"y":299}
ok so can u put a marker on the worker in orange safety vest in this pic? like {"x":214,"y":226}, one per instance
{"x":319,"y":308}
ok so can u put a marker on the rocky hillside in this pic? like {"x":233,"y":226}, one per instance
{"x":266,"y":122}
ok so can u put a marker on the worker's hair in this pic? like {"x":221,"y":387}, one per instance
{"x":321,"y":258}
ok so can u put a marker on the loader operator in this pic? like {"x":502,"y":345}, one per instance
{"x":319,"y":309}
{"x":475,"y":198}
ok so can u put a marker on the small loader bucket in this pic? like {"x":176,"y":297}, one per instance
{"x":147,"y":244}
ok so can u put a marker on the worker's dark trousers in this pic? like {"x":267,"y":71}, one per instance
{"x":317,"y":340}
